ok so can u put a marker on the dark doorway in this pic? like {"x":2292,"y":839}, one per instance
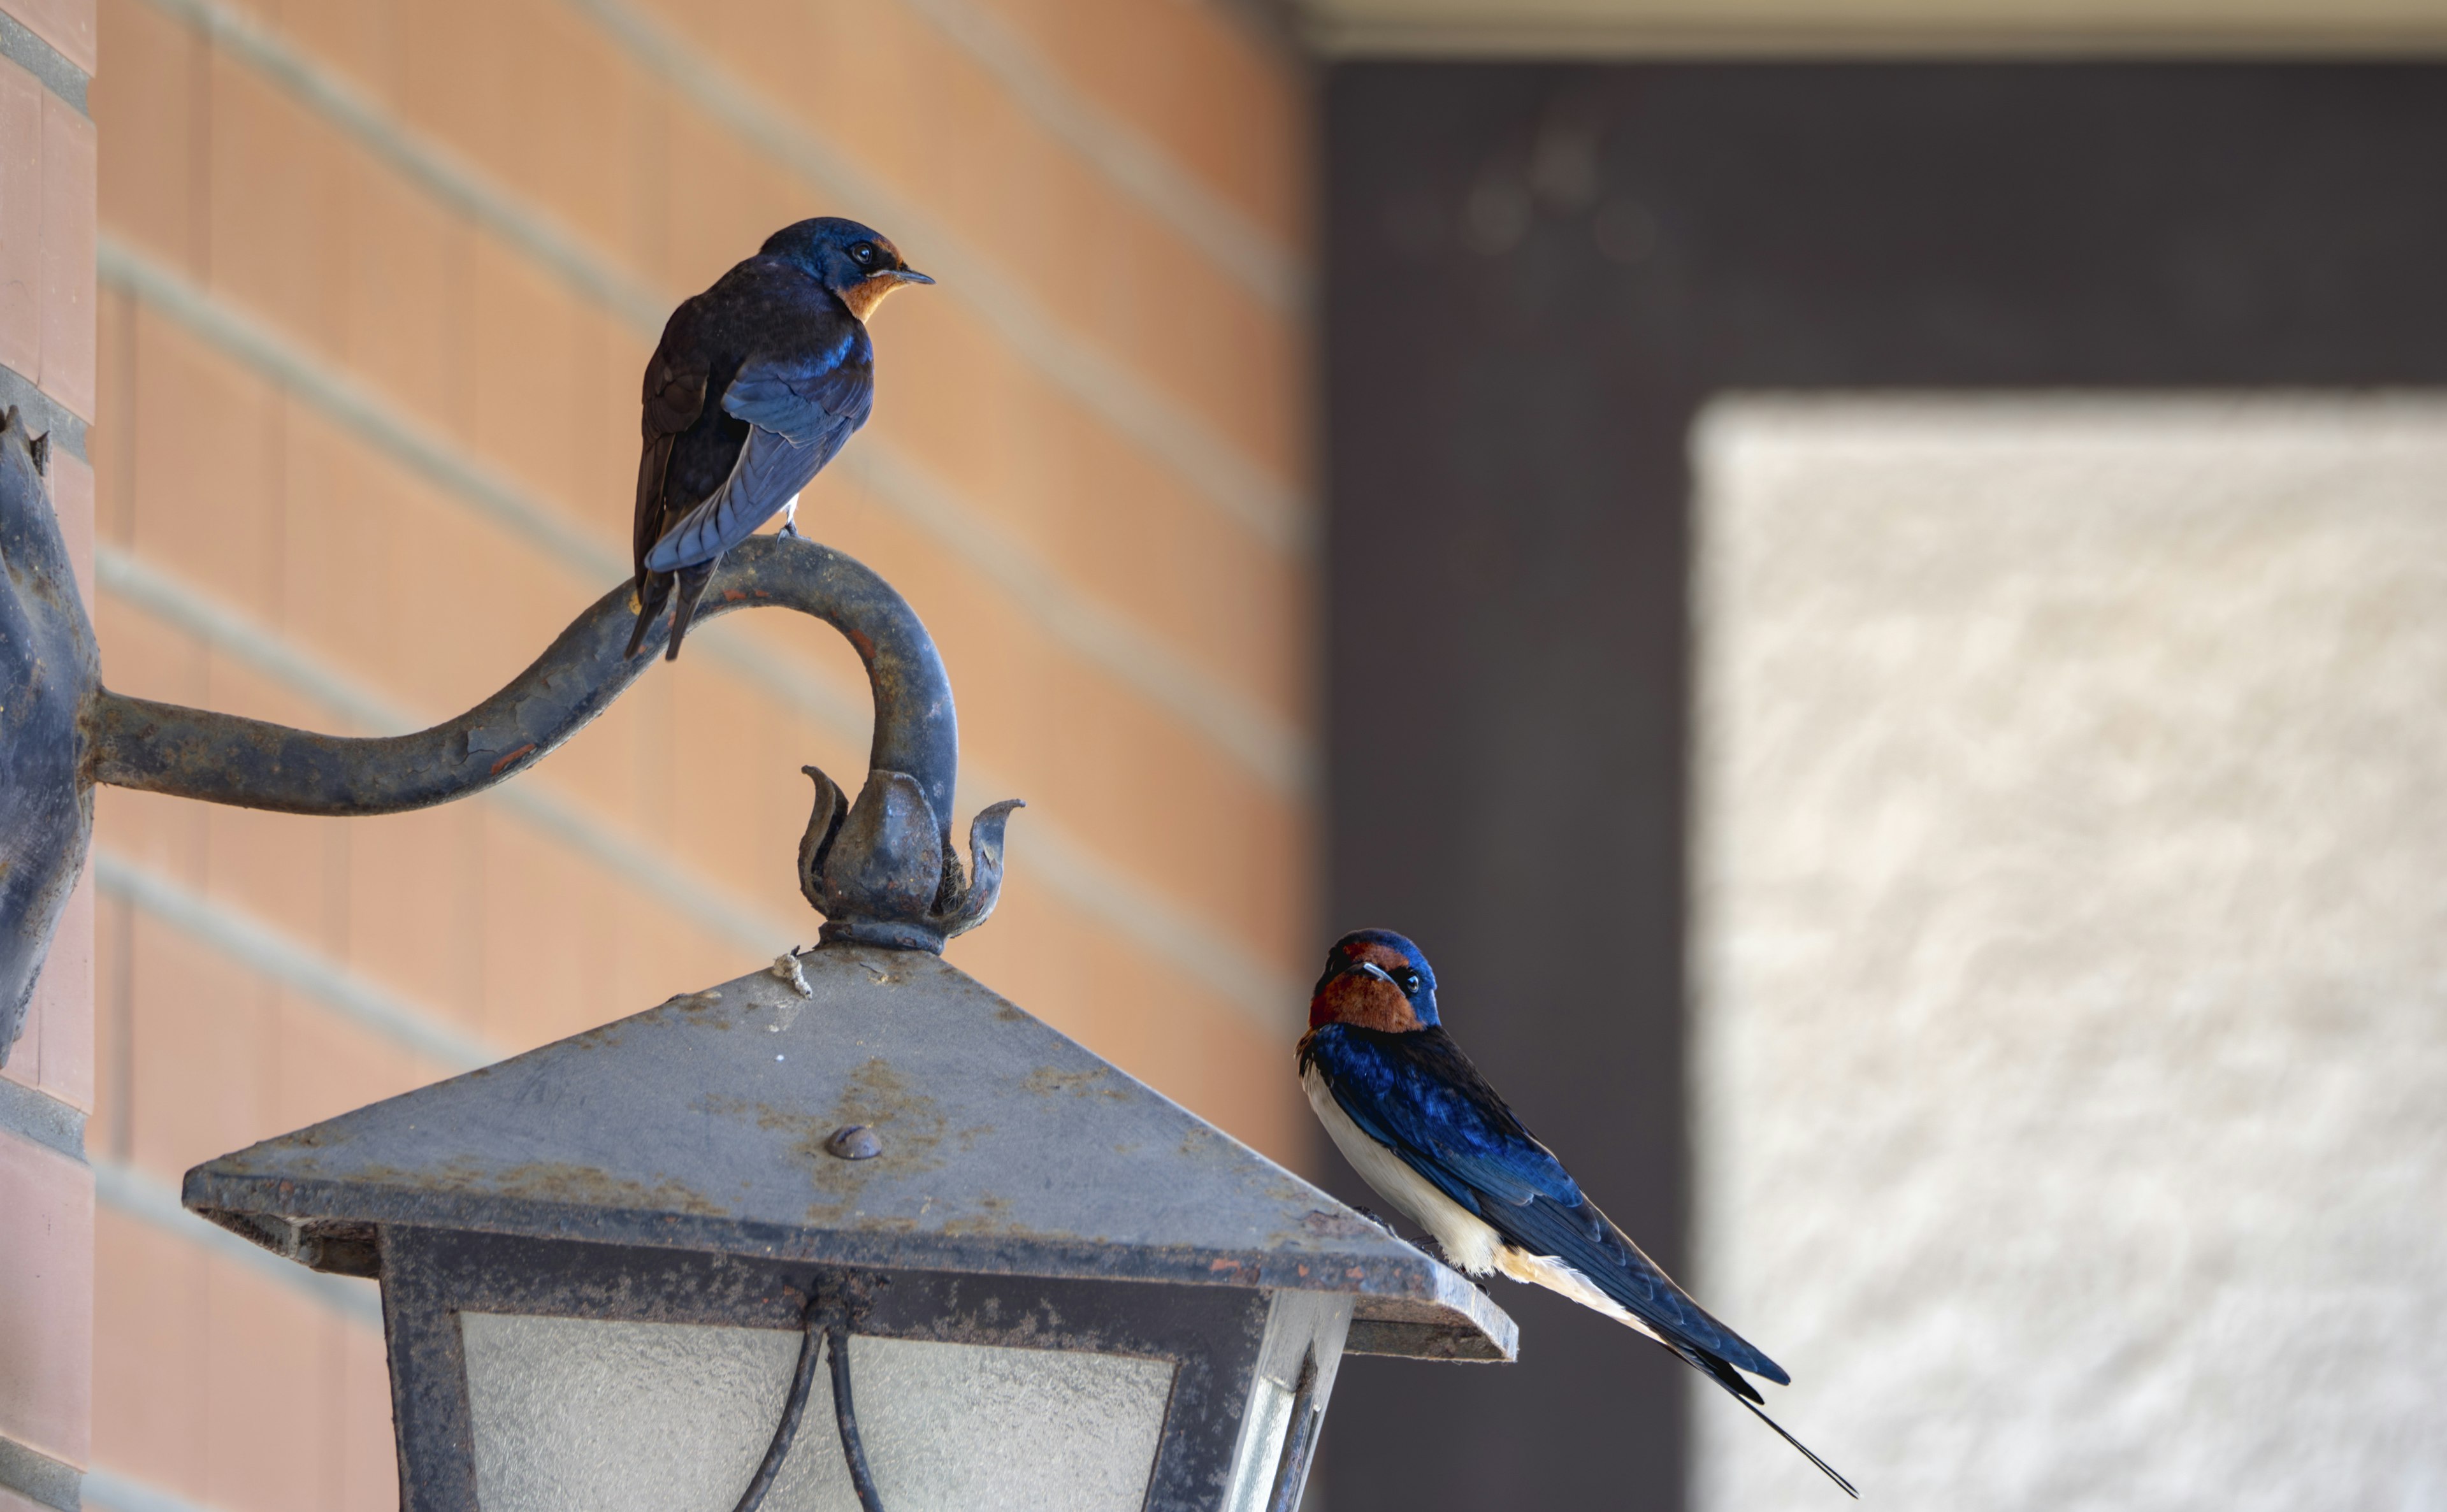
{"x":1535,"y":276}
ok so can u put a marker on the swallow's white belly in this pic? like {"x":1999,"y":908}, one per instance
{"x":1468,"y":1243}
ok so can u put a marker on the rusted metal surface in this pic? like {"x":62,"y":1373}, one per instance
{"x":48,"y":670}
{"x":702,"y":1125}
{"x":224,"y":759}
{"x":881,"y":871}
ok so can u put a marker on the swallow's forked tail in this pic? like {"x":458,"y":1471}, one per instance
{"x":1760,"y":1413}
{"x":1723,"y":1374}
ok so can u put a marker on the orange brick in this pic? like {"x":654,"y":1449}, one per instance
{"x":151,"y":104}
{"x":611,"y":358}
{"x":110,"y":443}
{"x":1146,"y":791}
{"x":540,"y":101}
{"x":336,"y":590}
{"x":114,"y":925}
{"x":198,"y":1056}
{"x":66,"y":25}
{"x":471,"y":603}
{"x":728,"y":820}
{"x":144,"y":656}
{"x":544,"y":977}
{"x":1129,"y":532}
{"x":72,"y":501}
{"x":163,"y":835}
{"x":1234,"y":112}
{"x":323,"y":1066}
{"x":67,"y":283}
{"x":288,"y":870}
{"x":55,"y":1049}
{"x":655,"y":953}
{"x":45,"y":1299}
{"x":406,"y":293}
{"x":148,"y":1352}
{"x":369,"y":1454}
{"x":578,"y":108}
{"x":357,"y":37}
{"x":415,"y":910}
{"x":1140,"y":1012}
{"x":21,"y":220}
{"x":525,"y":407}
{"x":207,"y":504}
{"x":909,"y":107}
{"x":271,"y":1412}
{"x":598,"y":769}
{"x":448,"y":80}
{"x":279,"y":240}
{"x":726,"y":199}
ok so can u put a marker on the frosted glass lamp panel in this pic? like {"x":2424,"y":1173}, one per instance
{"x":581,"y":1415}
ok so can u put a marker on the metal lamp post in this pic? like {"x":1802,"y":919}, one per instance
{"x":625,"y":1269}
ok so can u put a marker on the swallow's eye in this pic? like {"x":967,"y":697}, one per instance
{"x":1408,"y":981}
{"x":863,"y":253}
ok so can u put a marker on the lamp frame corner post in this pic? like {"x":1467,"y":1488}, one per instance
{"x":860,"y":1155}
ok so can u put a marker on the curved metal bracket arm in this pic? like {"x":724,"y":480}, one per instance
{"x":883,"y":871}
{"x":227,"y":759}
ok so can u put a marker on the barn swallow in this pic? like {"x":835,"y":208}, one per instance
{"x":1417,"y":1122}
{"x":779,"y":343}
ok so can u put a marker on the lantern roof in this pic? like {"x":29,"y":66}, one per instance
{"x":708,"y":1123}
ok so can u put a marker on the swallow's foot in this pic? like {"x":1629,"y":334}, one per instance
{"x":790,"y":528}
{"x":1378,"y":1221}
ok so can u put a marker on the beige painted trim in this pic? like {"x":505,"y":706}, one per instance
{"x":1867,"y":28}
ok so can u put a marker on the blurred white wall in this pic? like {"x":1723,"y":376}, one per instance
{"x":2071,"y":949}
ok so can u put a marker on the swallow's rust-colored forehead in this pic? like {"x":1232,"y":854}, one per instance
{"x":1375,"y":955}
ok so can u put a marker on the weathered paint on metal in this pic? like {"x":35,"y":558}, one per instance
{"x":224,"y":759}
{"x":1007,"y":1149}
{"x":47,"y":672}
{"x":883,"y":871}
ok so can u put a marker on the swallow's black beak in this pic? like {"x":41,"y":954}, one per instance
{"x":910,"y":275}
{"x":1366,"y":969}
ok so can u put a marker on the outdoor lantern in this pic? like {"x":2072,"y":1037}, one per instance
{"x":601,"y":1260}
{"x":612,"y":1267}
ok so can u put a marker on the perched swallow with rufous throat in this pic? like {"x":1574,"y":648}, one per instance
{"x":758,"y":382}
{"x":1420,"y":1125}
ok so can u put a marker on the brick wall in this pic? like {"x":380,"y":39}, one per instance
{"x":47,"y":372}
{"x":376,"y":283}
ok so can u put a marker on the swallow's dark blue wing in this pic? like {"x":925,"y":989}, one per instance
{"x":1420,"y":1097}
{"x":800,"y":410}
